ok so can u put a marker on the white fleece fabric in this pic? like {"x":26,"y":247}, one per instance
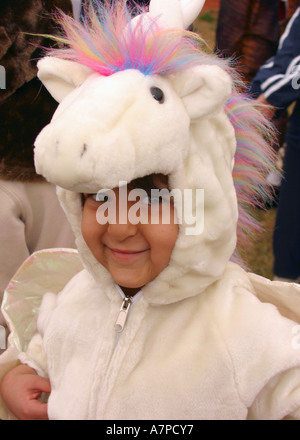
{"x":218,"y":354}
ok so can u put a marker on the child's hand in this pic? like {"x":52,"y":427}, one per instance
{"x":20,"y":389}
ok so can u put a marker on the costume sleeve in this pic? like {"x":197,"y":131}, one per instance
{"x":279,"y":78}
{"x":282,"y":392}
{"x":35,"y":356}
{"x":263,"y":344}
{"x":275,"y":369}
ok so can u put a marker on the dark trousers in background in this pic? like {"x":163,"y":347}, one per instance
{"x":287,"y":229}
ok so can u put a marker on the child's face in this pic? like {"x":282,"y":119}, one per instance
{"x":134,"y":254}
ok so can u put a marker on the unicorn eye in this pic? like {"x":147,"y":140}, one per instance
{"x":158,"y":94}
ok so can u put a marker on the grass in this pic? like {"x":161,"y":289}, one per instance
{"x":206,"y":25}
{"x":259,"y":255}
{"x":209,"y":17}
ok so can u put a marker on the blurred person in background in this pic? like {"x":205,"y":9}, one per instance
{"x":249,"y":31}
{"x":30,"y":217}
{"x":277,"y":83}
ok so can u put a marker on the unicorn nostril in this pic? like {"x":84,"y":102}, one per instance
{"x":84,"y":149}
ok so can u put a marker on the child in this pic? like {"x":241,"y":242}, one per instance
{"x":159,"y":324}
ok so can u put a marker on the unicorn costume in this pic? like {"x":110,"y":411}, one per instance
{"x":205,"y":339}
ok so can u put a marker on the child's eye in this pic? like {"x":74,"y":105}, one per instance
{"x":101,"y":197}
{"x":98,"y":197}
{"x":152,"y":200}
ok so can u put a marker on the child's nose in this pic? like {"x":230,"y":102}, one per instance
{"x":122,"y":227}
{"x":121,"y":230}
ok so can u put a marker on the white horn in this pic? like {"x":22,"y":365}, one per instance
{"x":190,"y":10}
{"x":176,"y":13}
{"x":168,"y":12}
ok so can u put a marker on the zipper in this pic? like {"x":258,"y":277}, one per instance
{"x":123,"y":314}
{"x":127,"y":302}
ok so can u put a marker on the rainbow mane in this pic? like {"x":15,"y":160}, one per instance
{"x":107,"y":43}
{"x":254,"y":160}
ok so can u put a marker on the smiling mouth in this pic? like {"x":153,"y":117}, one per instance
{"x":125,"y":254}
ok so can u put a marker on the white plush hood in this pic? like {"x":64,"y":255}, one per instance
{"x":110,"y":128}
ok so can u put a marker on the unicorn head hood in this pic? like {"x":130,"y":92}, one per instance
{"x":136,"y":97}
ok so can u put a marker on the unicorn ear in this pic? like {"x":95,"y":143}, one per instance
{"x":61,"y":76}
{"x":203,"y":89}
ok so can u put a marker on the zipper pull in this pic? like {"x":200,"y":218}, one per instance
{"x":122,"y":317}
